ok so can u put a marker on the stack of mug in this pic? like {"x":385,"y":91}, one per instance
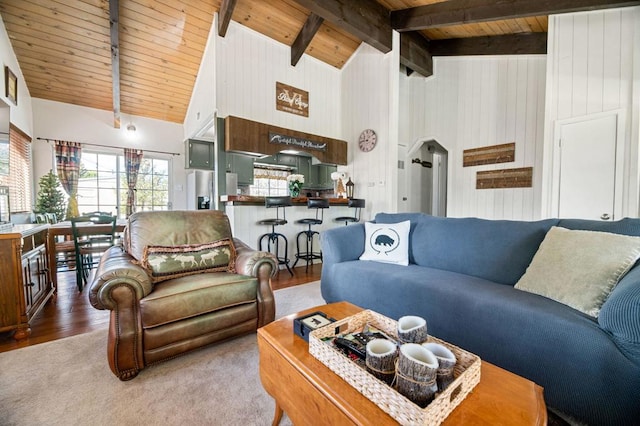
{"x":420,"y":369}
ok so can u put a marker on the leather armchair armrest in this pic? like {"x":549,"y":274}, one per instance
{"x":262,"y":265}
{"x":118,"y":269}
{"x":250,"y":261}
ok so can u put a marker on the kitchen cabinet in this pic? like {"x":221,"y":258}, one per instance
{"x":199,"y":154}
{"x":323,"y":176}
{"x":304,"y":169}
{"x":242,"y":165}
{"x":25,"y":276}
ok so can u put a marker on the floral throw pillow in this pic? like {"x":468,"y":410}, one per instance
{"x":168,"y":262}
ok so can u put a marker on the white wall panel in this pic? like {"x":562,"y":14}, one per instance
{"x":472,"y":102}
{"x":366,"y":102}
{"x":593,"y":67}
{"x":247,"y":67}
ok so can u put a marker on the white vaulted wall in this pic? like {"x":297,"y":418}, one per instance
{"x":472,"y":102}
{"x":594,"y":67}
{"x":369,"y":101}
{"x":248,"y":65}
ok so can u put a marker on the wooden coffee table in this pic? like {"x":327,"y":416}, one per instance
{"x":310,"y":393}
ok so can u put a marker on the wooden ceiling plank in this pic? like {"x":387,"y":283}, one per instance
{"x":28,"y":13}
{"x":50,"y":50}
{"x":456,"y":12}
{"x":190,"y":7}
{"x":224,"y":16}
{"x":132,"y":31}
{"x":306,"y":34}
{"x":188,"y":24}
{"x":510,"y":44}
{"x":367,"y":20}
{"x":51,"y":41}
{"x":333,"y":45}
{"x":414,"y":53}
{"x":157,"y":67}
{"x":114,"y":23}
{"x":196,"y":16}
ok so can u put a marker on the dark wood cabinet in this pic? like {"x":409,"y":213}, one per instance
{"x":25,"y":276}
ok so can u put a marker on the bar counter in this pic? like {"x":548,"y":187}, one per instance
{"x":245,"y":211}
{"x":252,"y":200}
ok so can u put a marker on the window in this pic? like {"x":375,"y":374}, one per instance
{"x":269,"y":182}
{"x":103,"y":184}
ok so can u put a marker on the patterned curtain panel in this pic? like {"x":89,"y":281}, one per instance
{"x":68,"y":164}
{"x":132,"y":159}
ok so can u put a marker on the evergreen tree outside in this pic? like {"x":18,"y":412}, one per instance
{"x":51,"y":198}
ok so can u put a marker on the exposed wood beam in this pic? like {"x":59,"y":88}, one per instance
{"x":224,"y":16}
{"x":456,"y":12}
{"x":415,"y":53}
{"x":509,"y":44}
{"x":368,"y":20}
{"x":114,"y":19}
{"x":306,"y":34}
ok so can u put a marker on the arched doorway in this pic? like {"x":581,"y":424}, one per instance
{"x":423,"y":180}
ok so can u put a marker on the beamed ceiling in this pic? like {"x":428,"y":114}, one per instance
{"x":141,"y":57}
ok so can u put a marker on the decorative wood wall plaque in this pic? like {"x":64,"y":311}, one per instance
{"x":292,"y":100}
{"x":505,"y":178}
{"x":494,"y":154}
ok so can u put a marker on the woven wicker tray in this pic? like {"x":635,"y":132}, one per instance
{"x":466,"y":372}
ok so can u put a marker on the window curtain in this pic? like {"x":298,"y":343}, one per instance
{"x":68,"y":165}
{"x":132,"y":159}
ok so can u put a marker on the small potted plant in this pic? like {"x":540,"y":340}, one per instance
{"x":295,"y":184}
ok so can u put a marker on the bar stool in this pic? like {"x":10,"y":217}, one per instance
{"x":319,"y":204}
{"x":273,"y":238}
{"x":354,"y":203}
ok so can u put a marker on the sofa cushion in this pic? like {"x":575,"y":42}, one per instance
{"x":167,"y":262}
{"x":580,"y":268}
{"x":188,"y":297}
{"x":496,"y":250}
{"x":387,"y":242}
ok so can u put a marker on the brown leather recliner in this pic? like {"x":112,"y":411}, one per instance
{"x":152,"y":322}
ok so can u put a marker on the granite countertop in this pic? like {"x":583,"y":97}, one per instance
{"x":239,"y":200}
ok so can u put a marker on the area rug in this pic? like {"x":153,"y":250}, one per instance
{"x":68,"y":382}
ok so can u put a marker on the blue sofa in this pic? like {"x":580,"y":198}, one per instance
{"x":461,"y":278}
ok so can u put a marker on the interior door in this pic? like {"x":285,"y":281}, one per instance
{"x":588,"y":169}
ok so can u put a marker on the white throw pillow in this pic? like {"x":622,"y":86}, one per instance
{"x":580,"y":268}
{"x":387,"y":242}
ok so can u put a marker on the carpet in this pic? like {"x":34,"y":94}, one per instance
{"x":68,"y":382}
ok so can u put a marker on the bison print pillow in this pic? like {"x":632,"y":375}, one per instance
{"x":387,"y":242}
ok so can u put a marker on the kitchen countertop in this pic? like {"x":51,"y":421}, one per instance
{"x":252,"y":200}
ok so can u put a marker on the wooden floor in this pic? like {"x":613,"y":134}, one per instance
{"x":71,"y":313}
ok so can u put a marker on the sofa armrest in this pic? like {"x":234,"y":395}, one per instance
{"x":620,"y":314}
{"x":262,"y":265}
{"x":118,"y":270}
{"x":342,"y":244}
{"x":250,"y":261}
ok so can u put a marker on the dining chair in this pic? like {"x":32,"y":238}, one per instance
{"x":92,"y":236}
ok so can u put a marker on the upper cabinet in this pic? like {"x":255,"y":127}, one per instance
{"x":256,"y":138}
{"x":199,"y":154}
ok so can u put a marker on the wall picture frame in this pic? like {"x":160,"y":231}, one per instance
{"x":10,"y":85}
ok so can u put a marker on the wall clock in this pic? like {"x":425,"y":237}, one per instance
{"x":368,"y":140}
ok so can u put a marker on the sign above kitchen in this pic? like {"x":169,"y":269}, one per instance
{"x":292,"y":100}
{"x":294,"y":141}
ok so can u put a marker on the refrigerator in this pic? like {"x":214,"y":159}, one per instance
{"x":200,"y":190}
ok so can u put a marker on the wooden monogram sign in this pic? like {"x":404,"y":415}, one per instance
{"x":292,"y":100}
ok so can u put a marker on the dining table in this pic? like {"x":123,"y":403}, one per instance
{"x":64,"y":229}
